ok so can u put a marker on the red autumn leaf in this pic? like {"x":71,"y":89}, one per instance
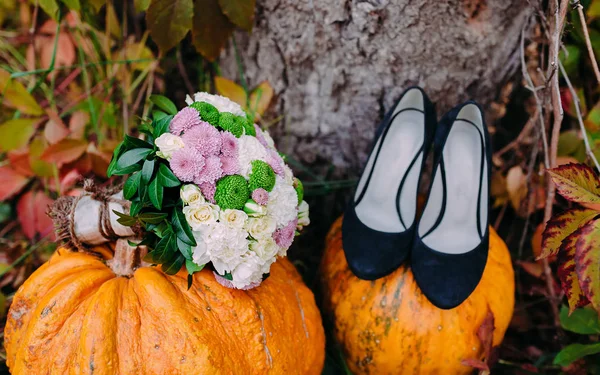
{"x":19,"y":160}
{"x":31,"y":209}
{"x":562,"y":225}
{"x":485,"y":333}
{"x":577,"y":183}
{"x":569,"y":280}
{"x":55,"y":131}
{"x":587,"y":261}
{"x":64,"y":151}
{"x":11,"y":182}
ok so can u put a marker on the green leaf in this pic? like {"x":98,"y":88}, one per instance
{"x":577,"y":183}
{"x":570,"y":58}
{"x":135,"y":208}
{"x":169,"y":21}
{"x":587,"y":261}
{"x":172,"y":267}
{"x":193,"y":267}
{"x":162,"y":126}
{"x":152,"y":217}
{"x":155,"y":193}
{"x":593,"y":10}
{"x":190,"y":280}
{"x":147,"y":171}
{"x":184,"y":248}
{"x":50,"y":7}
{"x":211,"y":28}
{"x":72,"y":4}
{"x":131,"y":185}
{"x":182,"y":228}
{"x":113,"y":162}
{"x":132,"y":157}
{"x":166,"y":177}
{"x":124,"y":219}
{"x":240,"y":12}
{"x":15,"y":95}
{"x":131,"y":143}
{"x":15,"y":134}
{"x":141,"y":5}
{"x":157,"y":115}
{"x":164,"y":103}
{"x":574,"y":352}
{"x":165,"y":248}
{"x":568,"y":142}
{"x":583,"y":321}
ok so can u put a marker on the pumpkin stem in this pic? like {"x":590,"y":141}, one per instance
{"x":127,"y":258}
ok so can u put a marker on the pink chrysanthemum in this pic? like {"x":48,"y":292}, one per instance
{"x":260,"y":137}
{"x":276,"y":162}
{"x":184,"y":120}
{"x":285,"y":236}
{"x":229,"y":165}
{"x":260,"y":196}
{"x":204,"y":138}
{"x":208,"y":190}
{"x":186,"y":164}
{"x":211,"y":172}
{"x":229,"y":146}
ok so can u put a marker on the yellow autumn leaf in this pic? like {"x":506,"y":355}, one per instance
{"x":16,"y":96}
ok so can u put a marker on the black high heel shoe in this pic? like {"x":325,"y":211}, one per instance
{"x":378,"y":225}
{"x":451,"y":241}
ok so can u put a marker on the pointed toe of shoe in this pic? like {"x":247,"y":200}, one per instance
{"x":372,"y":254}
{"x":447,"y":280}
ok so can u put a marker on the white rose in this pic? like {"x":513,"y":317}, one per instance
{"x":233,"y":218}
{"x":303,"y":219}
{"x":266,"y":249}
{"x":167,"y":144}
{"x":220,"y":102}
{"x":247,"y":272}
{"x":201,"y":215}
{"x":201,"y":253}
{"x":261,"y":227}
{"x":191,"y":194}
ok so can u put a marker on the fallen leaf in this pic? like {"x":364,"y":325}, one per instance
{"x":31,"y":210}
{"x":587,"y":261}
{"x":536,"y":240}
{"x":15,"y":134}
{"x":40,"y":167}
{"x":562,"y":225}
{"x":55,"y":129}
{"x":485,"y":334}
{"x":19,"y":161}
{"x":15,"y":95}
{"x":516,"y":186}
{"x":64,"y":151}
{"x":260,"y":98}
{"x":577,"y":183}
{"x":77,"y":124}
{"x":231,"y":90}
{"x":11,"y":182}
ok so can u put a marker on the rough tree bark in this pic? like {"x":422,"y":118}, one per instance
{"x":338,"y":65}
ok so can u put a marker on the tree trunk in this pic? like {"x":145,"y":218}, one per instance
{"x":338,"y":65}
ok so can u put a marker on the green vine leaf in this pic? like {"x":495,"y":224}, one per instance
{"x":574,"y":352}
{"x":72,"y":4}
{"x":240,"y":12}
{"x":577,"y":183}
{"x":50,"y":7}
{"x":587,"y":261}
{"x":211,"y":28}
{"x":562,"y":225}
{"x":582,"y":321}
{"x":169,"y":21}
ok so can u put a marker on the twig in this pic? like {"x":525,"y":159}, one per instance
{"x":184,"y":75}
{"x":586,"y":142}
{"x":524,"y":132}
{"x":588,"y":42}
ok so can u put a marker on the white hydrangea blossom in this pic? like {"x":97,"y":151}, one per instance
{"x":221,"y":103}
{"x":249,"y":149}
{"x":283,"y":200}
{"x":227,"y":247}
{"x":200,"y":253}
{"x":249,"y":271}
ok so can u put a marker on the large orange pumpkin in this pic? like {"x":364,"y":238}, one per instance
{"x":75,"y":315}
{"x":387,"y":326}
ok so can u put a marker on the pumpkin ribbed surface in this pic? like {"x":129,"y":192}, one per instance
{"x":75,"y":316}
{"x":388,"y":326}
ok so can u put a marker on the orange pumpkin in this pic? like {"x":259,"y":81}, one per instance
{"x":75,"y":315}
{"x":387,"y":326}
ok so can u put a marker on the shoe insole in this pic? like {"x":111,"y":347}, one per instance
{"x":457,"y":231}
{"x":401,"y":144}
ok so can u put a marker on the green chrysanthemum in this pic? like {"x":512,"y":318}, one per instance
{"x":207,"y":111}
{"x":262,"y":176}
{"x":232,"y":192}
{"x":228,"y":122}
{"x":299,"y":189}
{"x":247,"y":125}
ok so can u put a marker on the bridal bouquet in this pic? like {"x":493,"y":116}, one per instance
{"x":210,"y":189}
